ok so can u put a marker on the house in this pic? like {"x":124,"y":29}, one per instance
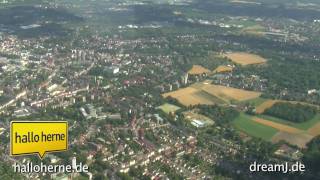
{"x":312,"y":91}
{"x":288,"y":152}
{"x":21,"y":112}
{"x":112,"y":69}
{"x":2,"y":130}
{"x":197,"y":123}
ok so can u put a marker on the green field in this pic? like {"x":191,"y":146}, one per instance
{"x":255,"y":102}
{"x":246,"y":125}
{"x":167,"y":108}
{"x":303,"y":126}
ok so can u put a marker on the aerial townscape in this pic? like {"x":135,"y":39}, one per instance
{"x":164,"y":89}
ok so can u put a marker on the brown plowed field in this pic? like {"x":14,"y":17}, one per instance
{"x":315,"y":130}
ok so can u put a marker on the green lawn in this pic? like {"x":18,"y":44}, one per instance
{"x":303,"y":126}
{"x":167,"y":108}
{"x":246,"y":125}
{"x":255,"y":102}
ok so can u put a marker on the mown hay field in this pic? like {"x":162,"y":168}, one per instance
{"x":189,"y":96}
{"x":315,"y":130}
{"x":223,"y":69}
{"x":198,"y":70}
{"x":245,"y":58}
{"x":229,"y":94}
{"x":206,"y":93}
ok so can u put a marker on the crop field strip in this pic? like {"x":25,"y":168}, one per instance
{"x":299,"y":139}
{"x":280,"y":127}
{"x":315,"y":130}
{"x":269,"y":103}
{"x":222,"y":69}
{"x":291,"y":134}
{"x":245,"y":58}
{"x":205,"y":93}
{"x":198,"y":70}
{"x":245,"y":124}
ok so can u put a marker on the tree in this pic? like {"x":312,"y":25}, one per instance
{"x":311,"y":158}
{"x":292,"y":112}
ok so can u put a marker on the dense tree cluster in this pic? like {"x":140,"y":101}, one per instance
{"x":219,"y":114}
{"x":292,"y":112}
{"x":311,"y":158}
{"x":6,"y":172}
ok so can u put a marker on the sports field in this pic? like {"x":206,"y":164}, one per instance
{"x":245,"y":58}
{"x":256,"y":30}
{"x":168,"y":108}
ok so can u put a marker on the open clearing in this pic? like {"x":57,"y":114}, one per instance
{"x":229,"y":94}
{"x":299,"y":139}
{"x":256,"y":102}
{"x":252,"y":128}
{"x":294,"y":133}
{"x":189,"y":96}
{"x":275,"y":131}
{"x":265,"y":105}
{"x":269,"y":103}
{"x":245,"y":2}
{"x":198,"y":70}
{"x":315,"y":130}
{"x":245,"y":58}
{"x":168,"y":108}
{"x":206,"y":93}
{"x":303,"y":126}
{"x":223,"y":69}
{"x":280,"y":127}
{"x":256,"y":30}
